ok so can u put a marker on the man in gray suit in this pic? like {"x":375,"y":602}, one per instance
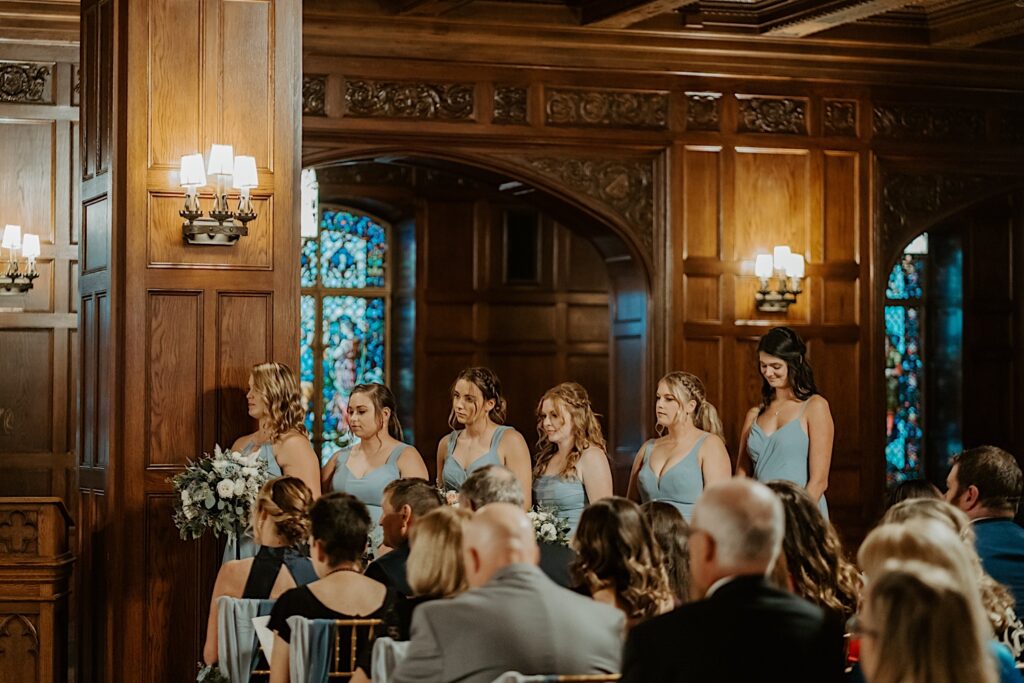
{"x":513,"y":618}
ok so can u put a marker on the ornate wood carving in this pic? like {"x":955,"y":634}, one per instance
{"x":6,"y":421}
{"x":405,"y":100}
{"x":21,"y":82}
{"x":28,"y":631}
{"x":703,"y":111}
{"x":772,"y":115}
{"x":313,"y":90}
{"x":510,"y":104}
{"x":841,"y":118}
{"x":606,"y":108}
{"x":19,"y":532}
{"x":1011,"y":126}
{"x":919,"y":122}
{"x":364,"y":174}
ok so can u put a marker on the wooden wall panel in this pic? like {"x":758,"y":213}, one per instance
{"x":701,"y":201}
{"x":167,"y":250}
{"x":28,"y":188}
{"x":95,"y":225}
{"x":175,"y":390}
{"x":176,"y":80}
{"x":26,"y":368}
{"x":247,"y":82}
{"x":842,"y":220}
{"x":245,"y":336}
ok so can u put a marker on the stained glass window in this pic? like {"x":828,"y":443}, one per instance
{"x":344,"y":312}
{"x":904,"y":364}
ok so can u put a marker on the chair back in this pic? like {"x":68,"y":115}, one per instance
{"x":237,"y":646}
{"x":321,"y":650}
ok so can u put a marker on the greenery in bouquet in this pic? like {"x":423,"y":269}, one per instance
{"x":548,"y":526}
{"x":217,"y":492}
{"x":211,"y":674}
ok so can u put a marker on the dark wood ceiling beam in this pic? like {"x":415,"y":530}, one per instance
{"x":986,"y":20}
{"x":428,"y":8}
{"x":624,"y":13}
{"x":828,"y":15}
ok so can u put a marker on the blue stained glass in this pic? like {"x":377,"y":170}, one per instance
{"x":904,"y":371}
{"x":308,"y":263}
{"x":906,"y":278}
{"x":307,"y":363}
{"x":352,"y":250}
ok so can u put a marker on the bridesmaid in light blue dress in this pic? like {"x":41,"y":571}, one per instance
{"x":572,"y":467}
{"x":274,"y":402}
{"x":366,"y":468}
{"x":789,"y":436}
{"x":479,"y":408}
{"x":690,"y":453}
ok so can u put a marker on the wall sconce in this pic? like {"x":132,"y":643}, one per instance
{"x":788,"y":269}
{"x":14,"y":280}
{"x":224,"y":226}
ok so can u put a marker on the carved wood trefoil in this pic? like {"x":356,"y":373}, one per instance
{"x":606,"y":108}
{"x":919,"y":122}
{"x":840,"y":118}
{"x":510,"y":104}
{"x":25,"y":83}
{"x":19,"y":532}
{"x":772,"y":115}
{"x":29,"y":631}
{"x":314,"y":89}
{"x":407,"y":100}
{"x":703,"y":111}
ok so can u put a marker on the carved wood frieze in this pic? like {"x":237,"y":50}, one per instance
{"x":703,"y":111}
{"x":314,"y":89}
{"x":19,"y":532}
{"x":409,"y":100}
{"x":772,"y":115}
{"x":364,"y":174}
{"x":510,"y":104}
{"x":840,"y":118}
{"x":914,"y":122}
{"x":27,"y":83}
{"x":6,"y":421}
{"x":606,"y":108}
{"x":28,"y":628}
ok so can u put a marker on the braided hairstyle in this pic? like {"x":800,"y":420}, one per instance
{"x":489,"y":385}
{"x":786,"y":345}
{"x":285,"y":501}
{"x":687,"y":387}
{"x":277,"y":383}
{"x":568,"y":398}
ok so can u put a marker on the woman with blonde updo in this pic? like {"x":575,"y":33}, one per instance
{"x":280,"y":527}
{"x":689,"y":453}
{"x":572,"y":467}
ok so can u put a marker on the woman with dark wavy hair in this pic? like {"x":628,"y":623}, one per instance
{"x":789,"y":435}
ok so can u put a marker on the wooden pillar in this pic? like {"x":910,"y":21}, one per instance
{"x":169,"y":330}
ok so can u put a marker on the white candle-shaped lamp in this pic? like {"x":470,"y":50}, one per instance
{"x":795,"y":267}
{"x":244,"y":178}
{"x":780,"y":257}
{"x":12,"y":241}
{"x":192,"y":177}
{"x":221,"y":164}
{"x":30,"y":249}
{"x":763,"y":266}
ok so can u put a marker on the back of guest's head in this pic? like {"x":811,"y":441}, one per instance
{"x":994,"y":473}
{"x":285,"y":501}
{"x":671,"y":532}
{"x":616,"y":549}
{"x":491,"y":484}
{"x":930,"y":508}
{"x":745,"y":519}
{"x":818,"y":570}
{"x":920,"y":628}
{"x":278,"y":385}
{"x":385,"y":407}
{"x":418,"y":494}
{"x":435,"y":567}
{"x":498,"y":535}
{"x":921,"y":540}
{"x":911,"y":489}
{"x":339,"y":524}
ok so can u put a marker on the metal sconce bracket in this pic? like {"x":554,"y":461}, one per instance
{"x":212,"y":232}
{"x":15,"y":282}
{"x":777,"y":300}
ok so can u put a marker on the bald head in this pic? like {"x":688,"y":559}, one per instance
{"x":498,"y":535}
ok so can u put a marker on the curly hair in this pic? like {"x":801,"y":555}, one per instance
{"x":285,"y":501}
{"x":687,"y":387}
{"x":672,"y":534}
{"x":571,"y":398}
{"x":277,"y":384}
{"x":616,"y":549}
{"x":785,"y":344}
{"x":814,"y":554}
{"x":489,"y":385}
{"x":381,"y":397}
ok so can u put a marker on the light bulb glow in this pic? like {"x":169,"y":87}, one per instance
{"x":763,"y":266}
{"x":222,"y":160}
{"x":12,"y":237}
{"x":30,"y":246}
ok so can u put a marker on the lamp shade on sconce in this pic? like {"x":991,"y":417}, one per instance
{"x":222,"y":160}
{"x":30,"y":246}
{"x":12,"y":237}
{"x":244,"y":173}
{"x":763,"y":266}
{"x":192,"y":173}
{"x":795,"y":267}
{"x":781,"y":255}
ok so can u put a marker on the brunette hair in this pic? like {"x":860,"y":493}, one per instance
{"x":672,"y":534}
{"x":490,"y":387}
{"x":341,"y":523}
{"x":616,"y":549}
{"x":586,"y":430}
{"x":285,"y":501}
{"x":817,"y":567}
{"x":418,"y":494}
{"x":277,"y":384}
{"x":435,"y":565}
{"x":911,"y":488}
{"x":687,"y":387}
{"x":785,"y":344}
{"x":996,"y":475}
{"x":381,"y":397}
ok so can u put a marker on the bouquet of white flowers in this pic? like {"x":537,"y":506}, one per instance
{"x":217,"y":492}
{"x":449,"y":496}
{"x":549,"y":527}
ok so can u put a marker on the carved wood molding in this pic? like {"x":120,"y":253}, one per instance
{"x":915,"y":122}
{"x":840,"y":118}
{"x":314,"y":89}
{"x":6,"y":421}
{"x":510,"y":104}
{"x":409,"y":100}
{"x":771,"y":115}
{"x":27,"y":83}
{"x":1011,"y":126}
{"x":364,"y":174}
{"x":606,"y":108}
{"x":19,"y":532}
{"x":703,"y":111}
{"x":28,"y":630}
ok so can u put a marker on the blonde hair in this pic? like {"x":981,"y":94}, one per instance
{"x":285,"y":501}
{"x":586,"y":430}
{"x":435,"y":567}
{"x":925,"y":630}
{"x":277,"y":384}
{"x":687,"y":387}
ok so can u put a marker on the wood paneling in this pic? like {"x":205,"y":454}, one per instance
{"x":245,"y":336}
{"x":176,"y":81}
{"x":175,"y":372}
{"x":167,"y":250}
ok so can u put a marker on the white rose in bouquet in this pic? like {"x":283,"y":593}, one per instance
{"x":239,"y":487}
{"x":548,"y":531}
{"x":226,"y":488}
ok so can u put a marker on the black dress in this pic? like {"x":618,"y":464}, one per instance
{"x":266,"y":566}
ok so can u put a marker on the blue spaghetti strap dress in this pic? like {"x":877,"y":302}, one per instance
{"x":681,"y":484}
{"x":454,"y":474}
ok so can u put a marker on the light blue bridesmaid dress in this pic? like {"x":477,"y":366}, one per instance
{"x":783,"y":454}
{"x":681,"y":484}
{"x":454,"y":474}
{"x":368,"y":488}
{"x":565,"y":496}
{"x":248,"y":546}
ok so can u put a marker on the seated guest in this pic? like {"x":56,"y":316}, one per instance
{"x":817,"y":568}
{"x":404,"y":501}
{"x":671,"y":533}
{"x":279,"y":526}
{"x":910,"y":489}
{"x":744,"y":629}
{"x":986,"y":482}
{"x":435,"y":565}
{"x":917,"y":625}
{"x":339,"y":524}
{"x":497,"y":484}
{"x":512,"y":619}
{"x":619,"y":562}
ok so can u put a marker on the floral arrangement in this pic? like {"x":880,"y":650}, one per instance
{"x":217,"y":492}
{"x":449,"y":496}
{"x":211,"y":674}
{"x":549,"y":527}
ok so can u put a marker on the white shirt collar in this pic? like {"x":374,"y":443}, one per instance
{"x":718,"y":584}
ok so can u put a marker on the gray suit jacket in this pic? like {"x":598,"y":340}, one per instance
{"x":519,"y":621}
